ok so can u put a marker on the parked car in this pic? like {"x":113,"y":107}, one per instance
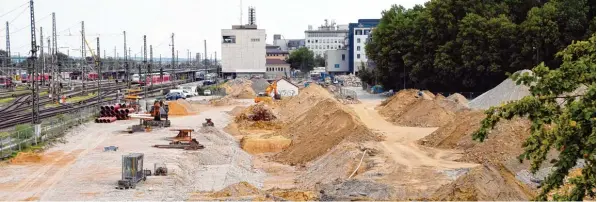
{"x":191,"y":89}
{"x":207,"y":92}
{"x":185,"y":93}
{"x":174,"y":96}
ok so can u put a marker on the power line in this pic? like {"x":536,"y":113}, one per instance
{"x":21,"y":13}
{"x":26,"y":3}
{"x":20,"y":29}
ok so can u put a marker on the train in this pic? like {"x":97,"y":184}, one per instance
{"x":25,"y":78}
{"x":6,"y":82}
{"x":154,"y":78}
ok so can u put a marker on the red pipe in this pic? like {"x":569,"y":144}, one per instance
{"x":111,"y":119}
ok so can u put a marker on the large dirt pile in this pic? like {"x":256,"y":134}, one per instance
{"x":504,"y":92}
{"x":239,"y":89}
{"x":407,"y":108}
{"x":356,"y":190}
{"x":181,"y":107}
{"x":257,"y":116}
{"x":258,"y":144}
{"x":459,"y":98}
{"x":237,"y":190}
{"x":317,"y":126}
{"x":483,"y":183}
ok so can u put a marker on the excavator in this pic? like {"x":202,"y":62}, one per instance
{"x":273,"y":87}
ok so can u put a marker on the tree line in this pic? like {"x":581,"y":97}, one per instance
{"x":463,"y":45}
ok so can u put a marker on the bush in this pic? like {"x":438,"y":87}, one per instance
{"x":24,"y":131}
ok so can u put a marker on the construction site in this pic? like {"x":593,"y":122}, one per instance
{"x":414,"y":145}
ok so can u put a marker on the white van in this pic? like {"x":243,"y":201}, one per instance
{"x":191,"y":89}
{"x":184,"y":92}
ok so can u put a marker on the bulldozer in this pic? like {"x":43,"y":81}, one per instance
{"x":266,"y":96}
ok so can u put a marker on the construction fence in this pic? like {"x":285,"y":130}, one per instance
{"x":24,"y":135}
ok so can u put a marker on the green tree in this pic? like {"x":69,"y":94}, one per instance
{"x":563,"y":119}
{"x":302,"y":59}
{"x":319,"y":61}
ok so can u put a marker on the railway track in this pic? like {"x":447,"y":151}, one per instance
{"x":13,"y":119}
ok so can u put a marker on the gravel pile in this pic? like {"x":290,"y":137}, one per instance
{"x":535,"y":180}
{"x":506,"y":91}
{"x":259,"y":85}
{"x":350,"y":80}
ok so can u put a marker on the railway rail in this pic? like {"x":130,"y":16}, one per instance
{"x":10,"y":118}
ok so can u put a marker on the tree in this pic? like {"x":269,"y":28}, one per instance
{"x":3,"y":57}
{"x":319,"y":61}
{"x":302,"y":59}
{"x":562,"y":119}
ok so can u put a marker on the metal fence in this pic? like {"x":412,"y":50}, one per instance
{"x":24,"y":136}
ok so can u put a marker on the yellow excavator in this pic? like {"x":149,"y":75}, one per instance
{"x":273,"y":87}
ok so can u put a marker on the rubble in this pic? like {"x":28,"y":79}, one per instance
{"x":350,"y":80}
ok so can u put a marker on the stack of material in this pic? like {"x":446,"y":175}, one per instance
{"x":505,"y":92}
{"x":259,"y":85}
{"x":350,"y":80}
{"x":181,"y":107}
{"x":111,"y":113}
{"x":240,"y":89}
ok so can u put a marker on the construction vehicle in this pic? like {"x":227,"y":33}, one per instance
{"x":208,"y":122}
{"x":272,"y":88}
{"x":160,"y":169}
{"x":132,"y":171}
{"x":182,"y":141}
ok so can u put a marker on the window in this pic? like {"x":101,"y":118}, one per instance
{"x":358,"y":56}
{"x":367,"y":32}
{"x":255,"y":40}
{"x":343,"y":57}
{"x":358,"y":40}
{"x":335,"y":41}
{"x":336,"y":65}
{"x":358,"y":32}
{"x":328,"y":46}
{"x":316,"y":41}
{"x":308,"y":41}
{"x":228,"y":39}
{"x":358,"y":48}
{"x":338,"y":46}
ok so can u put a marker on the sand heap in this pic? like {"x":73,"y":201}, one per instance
{"x":460,"y":99}
{"x":406,"y":108}
{"x":237,"y":190}
{"x":239,"y":89}
{"x":181,"y":107}
{"x":318,"y":123}
{"x":257,"y":116}
{"x":503,"y":93}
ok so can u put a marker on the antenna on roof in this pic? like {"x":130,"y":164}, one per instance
{"x":252,"y":19}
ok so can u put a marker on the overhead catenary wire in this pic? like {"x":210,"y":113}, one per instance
{"x":15,"y":18}
{"x":14,"y":9}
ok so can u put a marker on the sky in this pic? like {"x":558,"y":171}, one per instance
{"x":191,"y":21}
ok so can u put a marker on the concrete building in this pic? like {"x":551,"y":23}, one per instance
{"x":336,"y":62}
{"x":288,"y":44}
{"x":276,"y":68}
{"x":243,"y":49}
{"x":276,"y":53}
{"x":358,"y":34}
{"x":287,"y":88}
{"x":326,"y":37}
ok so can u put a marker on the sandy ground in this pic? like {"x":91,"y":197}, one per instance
{"x":80,"y":169}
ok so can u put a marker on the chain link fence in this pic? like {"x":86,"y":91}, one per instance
{"x":24,"y":137}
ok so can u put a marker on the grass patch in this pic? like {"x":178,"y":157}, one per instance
{"x":72,"y":100}
{"x":6,"y":100}
{"x":43,"y":93}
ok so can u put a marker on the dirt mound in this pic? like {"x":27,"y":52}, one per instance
{"x":398,"y":103}
{"x":504,"y":142}
{"x":181,"y":107}
{"x":319,"y":129}
{"x":27,"y":157}
{"x":291,"y":108}
{"x":256,"y":112}
{"x":223,"y":101}
{"x":292,"y":195}
{"x":483,"y":183}
{"x":354,"y":189}
{"x":237,"y":190}
{"x":424,"y":113}
{"x":236,"y":111}
{"x":458,"y":98}
{"x":257,"y":145}
{"x":239,"y":89}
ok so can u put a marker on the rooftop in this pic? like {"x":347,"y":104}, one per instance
{"x":275,"y":62}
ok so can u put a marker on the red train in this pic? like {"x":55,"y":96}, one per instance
{"x":25,"y":77}
{"x":92,"y":76}
{"x":6,"y":82}
{"x":154,"y":79}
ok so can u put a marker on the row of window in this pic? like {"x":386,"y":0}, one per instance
{"x":255,"y":40}
{"x":273,"y":55}
{"x":361,"y":32}
{"x":326,"y":34}
{"x":324,"y":41}
{"x":324,"y":47}
{"x":276,"y":69}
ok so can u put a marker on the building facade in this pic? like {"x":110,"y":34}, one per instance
{"x":326,"y":37}
{"x":287,"y":88}
{"x":243,"y":51}
{"x":288,"y":44}
{"x":336,"y":62}
{"x":276,"y":68}
{"x":358,"y":34}
{"x":275,"y":53}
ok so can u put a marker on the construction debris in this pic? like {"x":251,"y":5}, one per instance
{"x":503,"y":93}
{"x":349,"y":80}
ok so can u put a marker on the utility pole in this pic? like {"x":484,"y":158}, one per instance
{"x":83,"y":55}
{"x":43,"y":58}
{"x":126,"y":64}
{"x":173,"y":76}
{"x":57,"y":77}
{"x":205,"y":49}
{"x":8,"y":62}
{"x":98,"y":64}
{"x":144,"y":62}
{"x":35,"y":88}
{"x":161,"y":69}
{"x":150,"y":63}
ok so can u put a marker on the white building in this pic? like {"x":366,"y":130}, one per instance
{"x":336,"y":62}
{"x":326,"y":37}
{"x":243,"y":51}
{"x":286,"y":88}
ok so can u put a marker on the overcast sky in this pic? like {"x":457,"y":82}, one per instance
{"x":191,"y":21}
